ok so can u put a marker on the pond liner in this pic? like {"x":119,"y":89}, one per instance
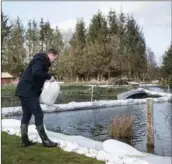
{"x":109,"y":151}
{"x":12,"y":111}
{"x":141,"y":93}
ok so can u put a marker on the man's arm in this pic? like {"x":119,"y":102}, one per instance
{"x":38,"y":70}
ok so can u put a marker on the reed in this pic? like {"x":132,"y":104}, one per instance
{"x":121,"y":127}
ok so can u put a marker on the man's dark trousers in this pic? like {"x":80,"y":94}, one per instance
{"x":30,"y":86}
{"x":28,"y":90}
{"x":31,"y":105}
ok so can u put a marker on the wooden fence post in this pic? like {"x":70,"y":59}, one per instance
{"x":149,"y":123}
{"x":92,"y":92}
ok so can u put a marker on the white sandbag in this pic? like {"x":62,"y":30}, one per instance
{"x":82,"y":151}
{"x":120,"y":149}
{"x":49,"y":93}
{"x":134,"y":161}
{"x":115,"y":160}
{"x":102,"y":156}
{"x":71,"y":147}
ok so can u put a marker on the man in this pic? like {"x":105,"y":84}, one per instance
{"x":29,"y":89}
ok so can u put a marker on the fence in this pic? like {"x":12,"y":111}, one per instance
{"x":68,"y":94}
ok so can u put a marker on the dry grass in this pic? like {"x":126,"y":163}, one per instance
{"x":121,"y":127}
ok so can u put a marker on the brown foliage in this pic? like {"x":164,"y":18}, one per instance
{"x":121,"y":127}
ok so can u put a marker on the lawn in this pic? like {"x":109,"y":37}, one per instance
{"x":69,"y":93}
{"x":13,"y":153}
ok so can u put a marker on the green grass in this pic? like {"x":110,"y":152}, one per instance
{"x":77,"y":93}
{"x":13,"y":153}
{"x":83,"y":94}
{"x":8,"y":89}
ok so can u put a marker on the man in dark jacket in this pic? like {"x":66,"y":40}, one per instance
{"x":29,"y":89}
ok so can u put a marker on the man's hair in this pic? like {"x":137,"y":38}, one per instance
{"x":53,"y":51}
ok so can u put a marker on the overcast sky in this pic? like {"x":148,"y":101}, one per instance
{"x":154,"y":17}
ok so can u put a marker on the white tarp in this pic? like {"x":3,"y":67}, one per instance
{"x":6,"y":111}
{"x":110,"y":151}
{"x":124,"y":95}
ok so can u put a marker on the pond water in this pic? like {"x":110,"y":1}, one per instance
{"x":94,"y":124}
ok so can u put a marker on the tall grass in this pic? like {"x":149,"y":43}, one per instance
{"x":121,"y":127}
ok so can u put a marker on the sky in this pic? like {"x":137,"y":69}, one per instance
{"x":153,"y":16}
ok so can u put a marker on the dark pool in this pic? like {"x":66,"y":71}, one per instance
{"x":94,"y":124}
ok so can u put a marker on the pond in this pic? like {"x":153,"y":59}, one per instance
{"x":94,"y":124}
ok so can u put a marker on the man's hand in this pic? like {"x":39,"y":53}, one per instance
{"x":52,"y":79}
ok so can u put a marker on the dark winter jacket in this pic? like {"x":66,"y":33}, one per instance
{"x":33,"y":78}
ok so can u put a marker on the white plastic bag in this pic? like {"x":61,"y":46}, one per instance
{"x":49,"y":93}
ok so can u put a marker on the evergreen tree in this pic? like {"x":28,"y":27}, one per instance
{"x":78,"y":49}
{"x":5,"y":32}
{"x":35,"y":37}
{"x":5,"y":28}
{"x":113,"y":22}
{"x":167,"y":61}
{"x":135,"y":49}
{"x":42,"y":35}
{"x":32,"y":39}
{"x":167,"y":64}
{"x":29,"y":39}
{"x":114,"y":45}
{"x":15,"y":48}
{"x":48,"y":34}
{"x":97,"y":45}
{"x":111,"y":46}
{"x":122,"y":55}
{"x":57,"y":40}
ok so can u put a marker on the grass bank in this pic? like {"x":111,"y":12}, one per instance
{"x":13,"y":153}
{"x":69,"y":93}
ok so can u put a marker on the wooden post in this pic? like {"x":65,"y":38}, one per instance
{"x":77,"y":79}
{"x":98,"y":78}
{"x":92,"y":92}
{"x":149,"y":123}
{"x":133,"y":85}
{"x":168,"y":89}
